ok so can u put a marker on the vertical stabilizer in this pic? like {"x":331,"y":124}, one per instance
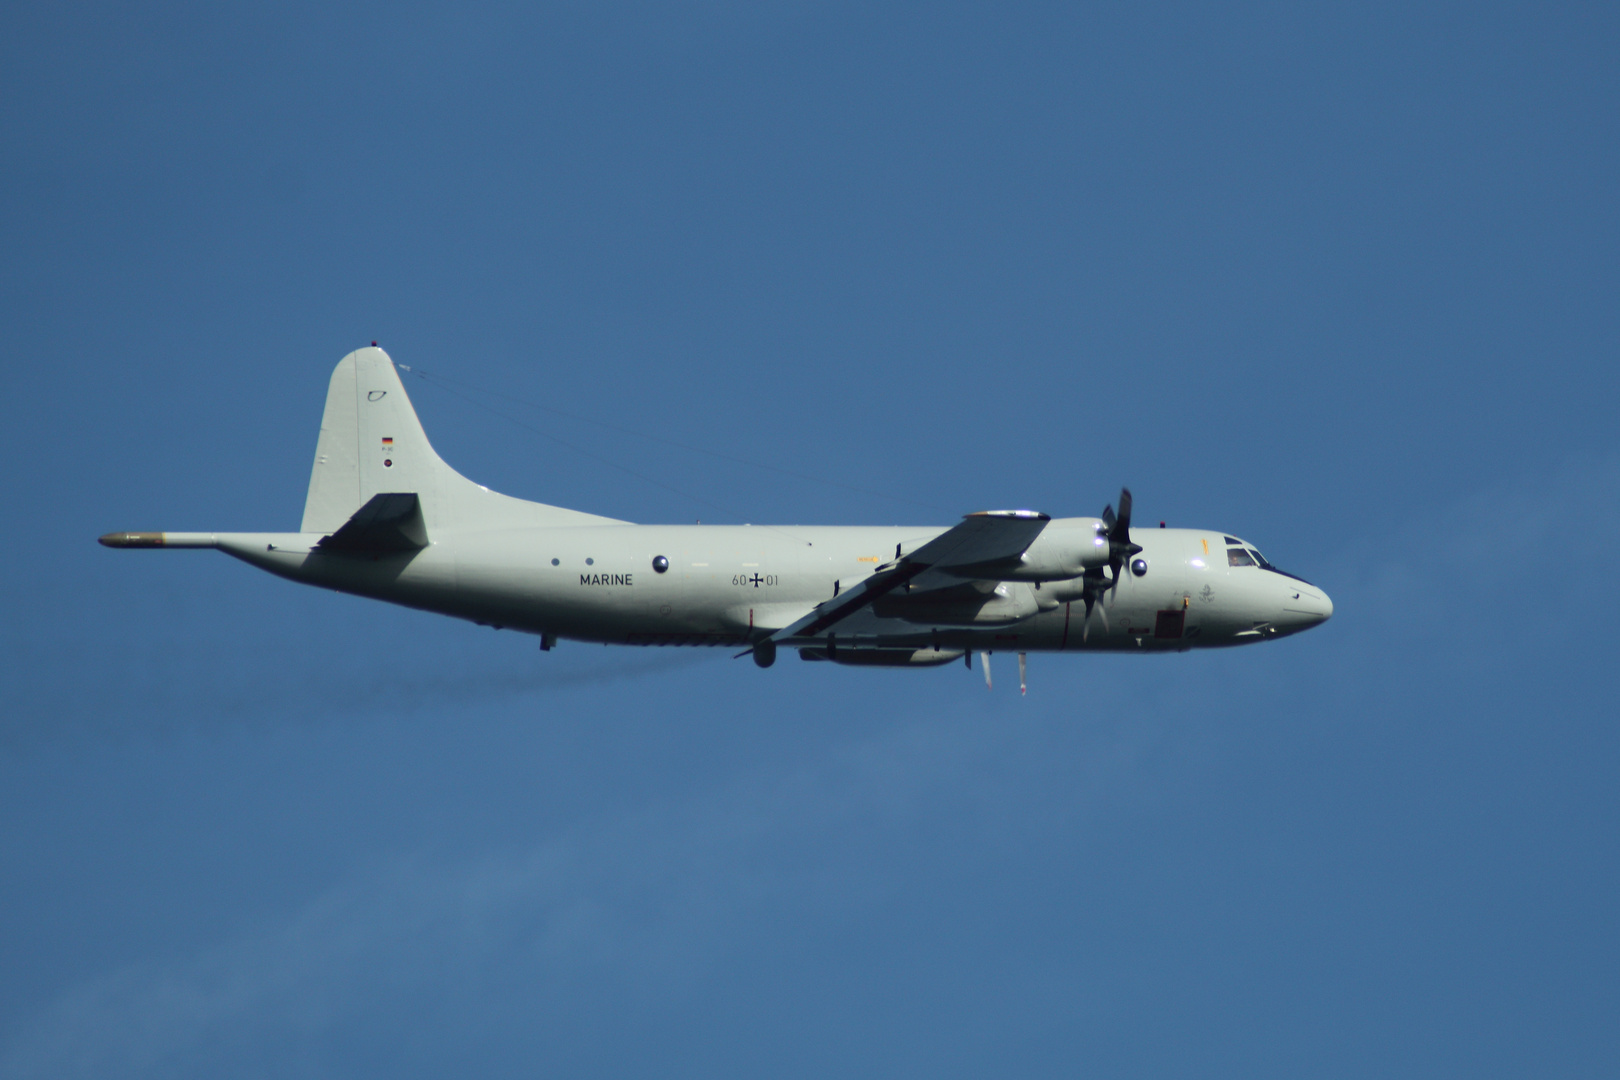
{"x":372,"y":444}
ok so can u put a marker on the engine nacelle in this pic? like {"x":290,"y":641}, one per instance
{"x":1065,"y":592}
{"x":976,"y":604}
{"x":1066,"y":548}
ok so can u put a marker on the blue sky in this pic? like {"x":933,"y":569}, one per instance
{"x":1340,"y":280}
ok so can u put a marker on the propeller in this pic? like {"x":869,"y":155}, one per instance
{"x":1120,"y":547}
{"x":1096,"y":585}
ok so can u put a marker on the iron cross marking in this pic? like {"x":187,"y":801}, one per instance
{"x":755,"y":581}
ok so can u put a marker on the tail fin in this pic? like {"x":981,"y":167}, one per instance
{"x":372,"y":443}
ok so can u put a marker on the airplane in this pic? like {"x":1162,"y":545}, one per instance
{"x":387,"y":518}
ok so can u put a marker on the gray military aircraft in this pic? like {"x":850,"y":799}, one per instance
{"x":387,"y":518}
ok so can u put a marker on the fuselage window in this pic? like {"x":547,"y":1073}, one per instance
{"x":1233,"y":541}
{"x":1259,"y":560}
{"x":1238,"y":557}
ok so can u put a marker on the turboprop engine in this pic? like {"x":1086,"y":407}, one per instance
{"x":1065,"y":549}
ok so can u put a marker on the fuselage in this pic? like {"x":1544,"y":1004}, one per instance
{"x":730,"y":585}
{"x":386,"y":517}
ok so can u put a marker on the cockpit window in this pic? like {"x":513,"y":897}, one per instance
{"x":1248,"y":556}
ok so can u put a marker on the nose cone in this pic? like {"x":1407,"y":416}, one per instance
{"x":1303,"y":606}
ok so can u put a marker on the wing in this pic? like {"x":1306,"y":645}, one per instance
{"x":989,"y":536}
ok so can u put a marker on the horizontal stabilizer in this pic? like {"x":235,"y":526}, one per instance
{"x":389,"y":522}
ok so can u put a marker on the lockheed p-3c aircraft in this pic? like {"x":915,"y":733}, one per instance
{"x":385,"y":517}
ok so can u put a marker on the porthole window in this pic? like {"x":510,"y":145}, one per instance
{"x":590,"y":562}
{"x":1139,"y":567}
{"x":556,"y":562}
{"x":660,"y":564}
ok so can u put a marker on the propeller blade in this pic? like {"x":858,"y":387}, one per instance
{"x":1123,"y":526}
{"x":1023,"y":687}
{"x":984,"y":662}
{"x":1085,"y":629}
